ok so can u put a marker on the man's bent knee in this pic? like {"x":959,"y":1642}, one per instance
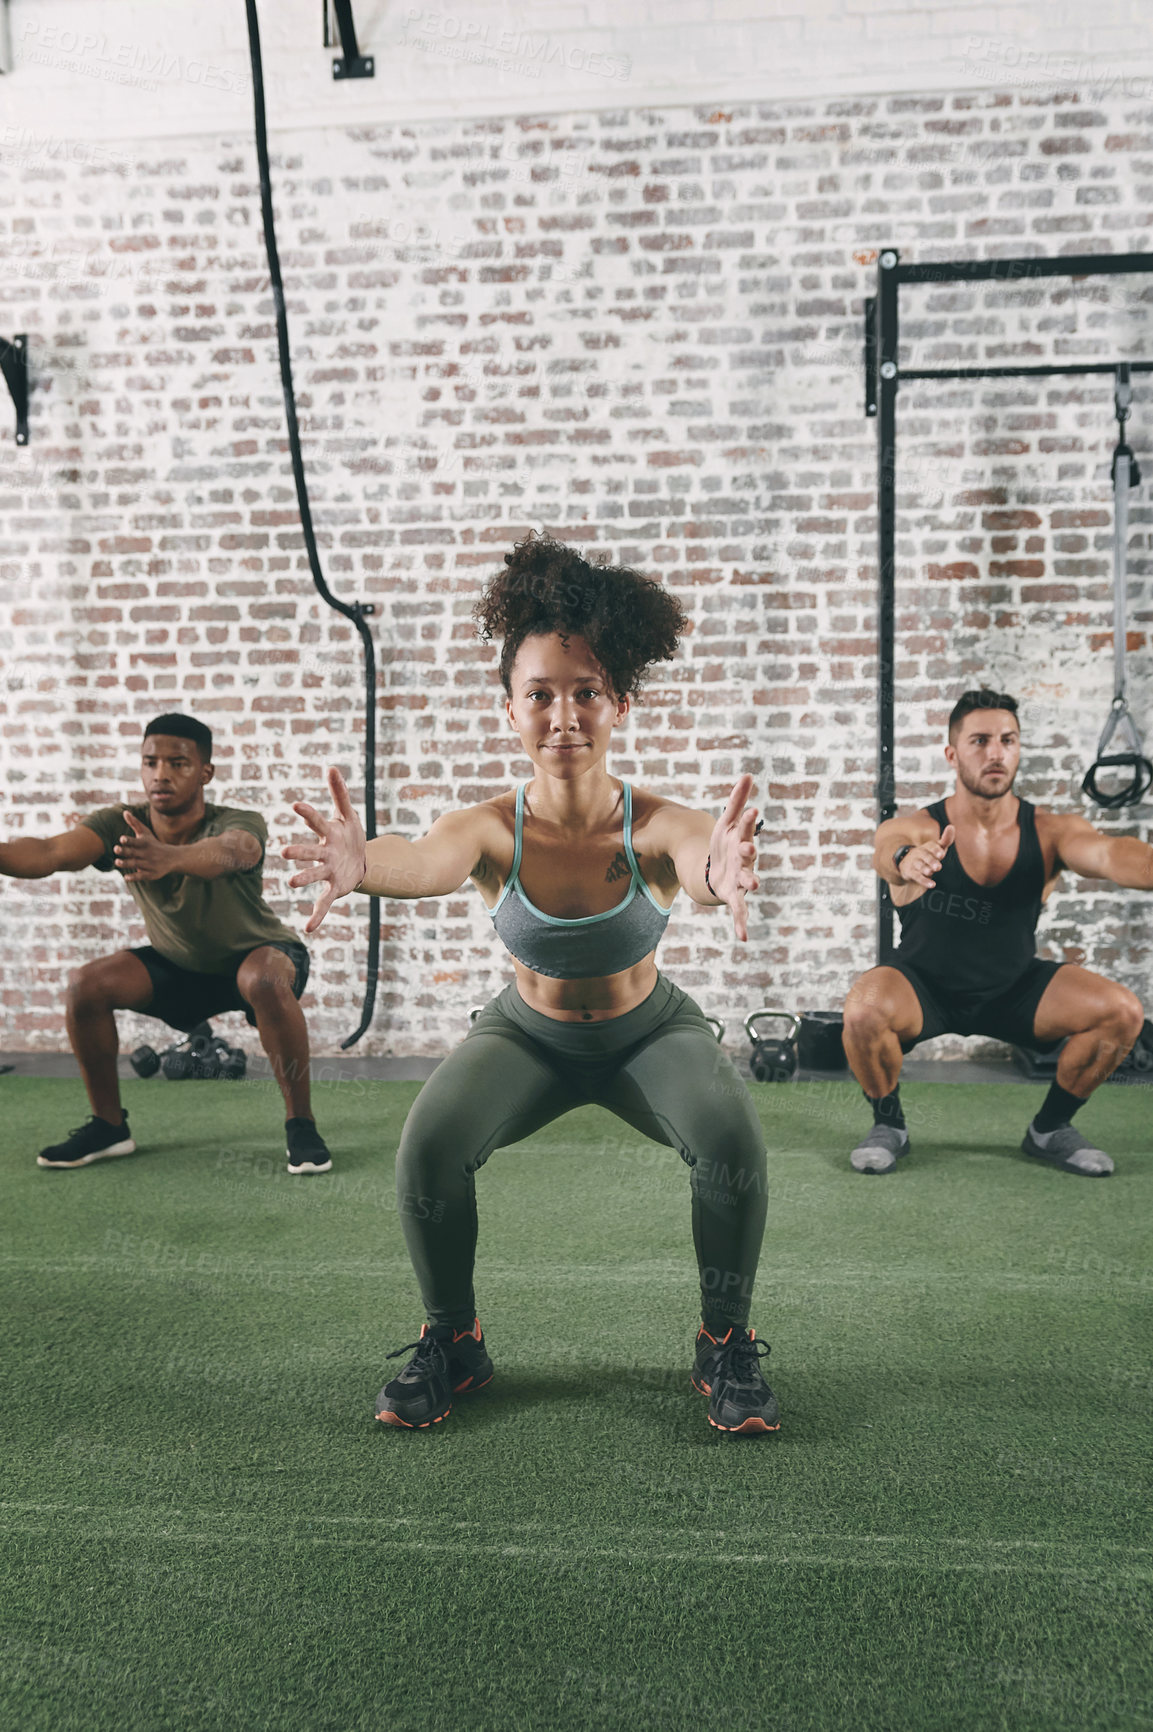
{"x":92,"y":986}
{"x":264,"y":987}
{"x":1127,"y":1016}
{"x":865,"y":1018}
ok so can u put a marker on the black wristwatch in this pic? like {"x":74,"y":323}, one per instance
{"x":901,"y":852}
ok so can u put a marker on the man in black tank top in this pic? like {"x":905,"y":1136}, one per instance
{"x":969,"y":876}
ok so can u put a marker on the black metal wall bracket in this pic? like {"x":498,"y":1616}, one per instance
{"x":350,"y":62}
{"x":14,"y":362}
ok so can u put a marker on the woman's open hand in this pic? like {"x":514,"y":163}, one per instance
{"x":733,"y":855}
{"x":335,"y":853}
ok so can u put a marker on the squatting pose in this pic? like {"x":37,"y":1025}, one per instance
{"x":196,"y":873}
{"x":969,"y":876}
{"x":579,"y":872}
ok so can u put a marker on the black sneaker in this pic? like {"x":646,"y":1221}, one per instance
{"x":87,"y":1143}
{"x":307,"y":1150}
{"x":727,"y":1370}
{"x":447,"y":1362}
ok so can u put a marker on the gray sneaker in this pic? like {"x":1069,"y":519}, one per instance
{"x":880,"y":1151}
{"x":1067,"y":1148}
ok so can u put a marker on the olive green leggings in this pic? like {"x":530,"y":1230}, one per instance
{"x":658,"y":1067}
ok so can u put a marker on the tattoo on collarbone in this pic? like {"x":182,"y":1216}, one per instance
{"x":618,"y":869}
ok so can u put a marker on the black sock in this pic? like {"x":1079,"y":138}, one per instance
{"x":1057,"y":1109}
{"x":887,"y":1109}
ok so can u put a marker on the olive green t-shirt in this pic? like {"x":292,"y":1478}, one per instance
{"x":205,"y":924}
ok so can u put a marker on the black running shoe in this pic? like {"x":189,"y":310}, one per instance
{"x":447,"y":1362}
{"x":307,"y":1150}
{"x":728,"y":1371}
{"x":87,"y":1143}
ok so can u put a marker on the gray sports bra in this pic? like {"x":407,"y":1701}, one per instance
{"x":593,"y":945}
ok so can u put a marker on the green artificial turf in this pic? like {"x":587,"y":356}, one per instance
{"x":204,"y":1527}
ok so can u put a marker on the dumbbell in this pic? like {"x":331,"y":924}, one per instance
{"x":234,"y":1065}
{"x":177,"y":1064}
{"x":144,"y":1061}
{"x":205,"y":1058}
{"x":773,"y":1060}
{"x":181,"y":1061}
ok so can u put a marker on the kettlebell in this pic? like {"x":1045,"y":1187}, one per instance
{"x":773,"y":1060}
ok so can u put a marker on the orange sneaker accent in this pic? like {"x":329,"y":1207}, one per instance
{"x":747,"y":1425}
{"x":395,"y":1419}
{"x":468,"y":1387}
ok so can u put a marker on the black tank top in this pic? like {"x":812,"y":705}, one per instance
{"x":977,"y":939}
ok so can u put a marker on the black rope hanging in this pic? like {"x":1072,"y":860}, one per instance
{"x":354,"y":611}
{"x":1119,"y":749}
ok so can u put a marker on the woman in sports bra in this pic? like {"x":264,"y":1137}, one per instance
{"x":579,"y":872}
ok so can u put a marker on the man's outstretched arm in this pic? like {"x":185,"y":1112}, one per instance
{"x":40,"y":856}
{"x":142,"y":857}
{"x":921,"y":845}
{"x":1123,"y":860}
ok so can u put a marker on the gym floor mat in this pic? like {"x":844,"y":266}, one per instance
{"x":204,"y":1527}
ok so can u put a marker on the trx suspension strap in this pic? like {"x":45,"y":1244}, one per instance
{"x":1119,"y":748}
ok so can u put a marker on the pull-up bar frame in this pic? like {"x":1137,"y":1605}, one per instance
{"x":883,"y":376}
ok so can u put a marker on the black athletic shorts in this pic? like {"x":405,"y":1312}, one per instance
{"x":182,"y":998}
{"x":1007,"y":1015}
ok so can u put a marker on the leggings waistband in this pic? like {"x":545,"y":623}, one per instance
{"x":594,"y":1040}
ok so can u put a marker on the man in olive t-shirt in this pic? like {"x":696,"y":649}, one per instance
{"x":195,"y":872}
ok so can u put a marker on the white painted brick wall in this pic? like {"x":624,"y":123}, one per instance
{"x":164,"y":69}
{"x":639,"y":327}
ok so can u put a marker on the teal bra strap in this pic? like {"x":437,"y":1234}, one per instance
{"x":638,"y":875}
{"x":518,"y":831}
{"x":518,"y":847}
{"x":626,"y":788}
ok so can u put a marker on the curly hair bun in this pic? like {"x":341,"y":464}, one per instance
{"x":628,"y":621}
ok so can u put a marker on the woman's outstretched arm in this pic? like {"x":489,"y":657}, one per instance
{"x":338,"y":857}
